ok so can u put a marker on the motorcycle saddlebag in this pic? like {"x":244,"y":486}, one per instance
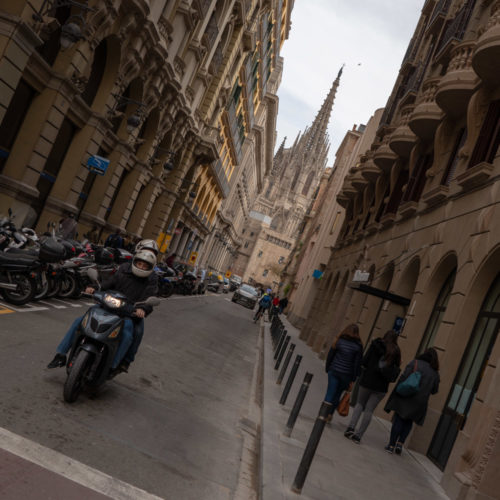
{"x":51,"y":251}
{"x":104,"y":256}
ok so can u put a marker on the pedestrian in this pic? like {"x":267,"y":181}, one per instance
{"x":67,"y":227}
{"x":412,"y":408}
{"x":93,"y":235}
{"x":264,"y":304}
{"x":114,"y":240}
{"x":283,"y":304}
{"x":380,"y":366}
{"x":169,"y":261}
{"x":343,"y":364}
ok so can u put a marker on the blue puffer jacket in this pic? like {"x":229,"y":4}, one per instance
{"x":345,"y":358}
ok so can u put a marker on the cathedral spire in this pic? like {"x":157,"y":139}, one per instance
{"x":318,"y":129}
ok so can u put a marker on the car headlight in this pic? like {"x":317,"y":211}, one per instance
{"x":112,"y":302}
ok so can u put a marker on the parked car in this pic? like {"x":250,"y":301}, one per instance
{"x":215,"y":283}
{"x":225,"y":286}
{"x":246,"y":295}
{"x":234,"y":282}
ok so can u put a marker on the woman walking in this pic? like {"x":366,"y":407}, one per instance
{"x":380,"y":367}
{"x":412,"y":408}
{"x":343,"y":364}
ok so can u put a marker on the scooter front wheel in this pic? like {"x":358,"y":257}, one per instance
{"x":76,"y":377}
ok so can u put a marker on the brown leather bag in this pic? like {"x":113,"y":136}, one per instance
{"x":343,"y":407}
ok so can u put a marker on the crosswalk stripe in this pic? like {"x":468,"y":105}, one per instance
{"x":51,"y":304}
{"x":67,"y":303}
{"x":24,"y":308}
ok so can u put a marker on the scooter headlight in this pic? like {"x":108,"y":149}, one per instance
{"x":85,"y":320}
{"x":114,"y":333}
{"x":112,"y":302}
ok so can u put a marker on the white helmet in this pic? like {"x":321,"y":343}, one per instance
{"x":150,"y":245}
{"x":144,"y":256}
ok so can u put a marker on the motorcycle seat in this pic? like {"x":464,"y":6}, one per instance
{"x":16,"y":258}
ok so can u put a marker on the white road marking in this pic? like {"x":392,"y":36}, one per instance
{"x":71,"y":469}
{"x":24,"y":308}
{"x":51,"y":305}
{"x":67,"y":303}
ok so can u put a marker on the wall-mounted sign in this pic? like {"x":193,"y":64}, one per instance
{"x":398,"y":324}
{"x":317,"y":274}
{"x":98,"y":164}
{"x":193,"y":257}
{"x":361,"y":277}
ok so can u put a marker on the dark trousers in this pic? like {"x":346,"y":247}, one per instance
{"x":401,"y":427}
{"x":337,"y":384}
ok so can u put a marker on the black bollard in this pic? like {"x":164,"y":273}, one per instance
{"x":280,"y":343}
{"x":277,"y":335}
{"x":298,"y":404}
{"x":311,"y":446}
{"x":282,"y":352}
{"x":285,"y":364}
{"x":290,"y":380}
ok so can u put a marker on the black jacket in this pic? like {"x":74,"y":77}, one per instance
{"x":373,"y":377}
{"x":415,"y":407}
{"x":134,"y":288}
{"x":345,"y":358}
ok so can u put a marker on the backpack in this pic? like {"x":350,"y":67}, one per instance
{"x":411,"y":385}
{"x":265,"y":301}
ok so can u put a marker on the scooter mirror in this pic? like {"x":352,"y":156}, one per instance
{"x":152,"y":301}
{"x":93,"y":274}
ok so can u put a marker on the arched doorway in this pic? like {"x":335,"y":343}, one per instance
{"x":468,"y":378}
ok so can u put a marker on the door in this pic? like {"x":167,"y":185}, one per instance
{"x":468,"y":378}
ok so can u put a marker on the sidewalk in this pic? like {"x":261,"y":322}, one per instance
{"x":340,"y":469}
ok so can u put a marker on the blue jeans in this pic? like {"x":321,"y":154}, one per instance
{"x":400,"y":429}
{"x":127,"y":340}
{"x":337,"y":384}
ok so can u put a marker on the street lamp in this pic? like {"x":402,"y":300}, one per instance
{"x":135,"y":119}
{"x":168,"y":165}
{"x":72,"y":29}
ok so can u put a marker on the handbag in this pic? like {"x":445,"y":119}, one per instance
{"x":411,"y":385}
{"x":343,"y":407}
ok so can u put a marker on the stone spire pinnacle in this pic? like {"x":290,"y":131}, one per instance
{"x":318,"y":129}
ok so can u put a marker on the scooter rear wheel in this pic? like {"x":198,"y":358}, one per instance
{"x":26,"y":287}
{"x":76,"y":377}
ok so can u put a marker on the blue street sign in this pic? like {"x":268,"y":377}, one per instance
{"x":317,"y":274}
{"x":98,"y":164}
{"x":398,"y":324}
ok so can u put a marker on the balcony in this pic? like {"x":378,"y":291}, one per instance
{"x":427,"y":114}
{"x":486,"y":57}
{"x":456,"y":87}
{"x":402,"y":140}
{"x":438,"y":16}
{"x":220,"y":177}
{"x":384,"y":157}
{"x":370,"y":171}
{"x":358,"y":181}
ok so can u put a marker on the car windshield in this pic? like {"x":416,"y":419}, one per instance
{"x":248,"y":289}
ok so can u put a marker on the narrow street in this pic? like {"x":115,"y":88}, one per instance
{"x":170,"y":426}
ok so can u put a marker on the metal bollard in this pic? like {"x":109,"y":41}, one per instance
{"x":298,"y":404}
{"x":280,"y":343}
{"x":285,"y":364}
{"x":290,"y":380}
{"x":277,"y":335}
{"x":311,"y":446}
{"x":282,"y":352}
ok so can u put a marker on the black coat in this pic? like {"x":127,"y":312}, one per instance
{"x":415,"y":407}
{"x":134,"y":288}
{"x":373,"y":377}
{"x":345,"y":358}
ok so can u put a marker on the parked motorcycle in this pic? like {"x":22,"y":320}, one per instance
{"x":97,"y":340}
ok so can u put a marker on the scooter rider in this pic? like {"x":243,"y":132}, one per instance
{"x":137,"y":282}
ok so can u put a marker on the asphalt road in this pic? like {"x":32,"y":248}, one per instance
{"x":170,"y":426}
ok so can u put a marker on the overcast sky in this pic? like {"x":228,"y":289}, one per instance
{"x":369,"y":36}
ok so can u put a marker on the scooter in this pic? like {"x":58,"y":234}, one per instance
{"x":97,"y":340}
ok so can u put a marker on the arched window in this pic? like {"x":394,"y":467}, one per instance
{"x":96,"y":73}
{"x":437,"y":313}
{"x":468,"y":378}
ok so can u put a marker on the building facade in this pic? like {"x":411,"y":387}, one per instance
{"x":124,"y":112}
{"x":423,"y":218}
{"x":279,"y":211}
